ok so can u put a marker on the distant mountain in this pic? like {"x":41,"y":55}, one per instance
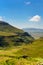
{"x":12,"y":36}
{"x":36,"y":33}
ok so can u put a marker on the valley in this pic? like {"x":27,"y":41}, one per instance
{"x":34,"y":32}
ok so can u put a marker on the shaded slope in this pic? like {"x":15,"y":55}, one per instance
{"x":5,"y":27}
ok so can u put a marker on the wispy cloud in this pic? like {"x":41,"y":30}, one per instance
{"x":35,"y":18}
{"x":1,"y":18}
{"x":27,"y":3}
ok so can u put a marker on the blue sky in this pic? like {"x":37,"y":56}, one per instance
{"x":22,"y":13}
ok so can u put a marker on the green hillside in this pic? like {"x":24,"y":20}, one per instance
{"x":33,"y":50}
{"x":5,"y":27}
{"x":31,"y":54}
{"x":12,"y":36}
{"x":18,"y":47}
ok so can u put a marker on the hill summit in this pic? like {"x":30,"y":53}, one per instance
{"x":5,"y":27}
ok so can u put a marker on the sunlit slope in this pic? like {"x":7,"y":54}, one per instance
{"x":33,"y":50}
{"x":31,"y":54}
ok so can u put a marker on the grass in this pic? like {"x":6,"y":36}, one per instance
{"x":32,"y":50}
{"x":13,"y":39}
{"x":14,"y":55}
{"x":6,"y":33}
{"x":8,"y":57}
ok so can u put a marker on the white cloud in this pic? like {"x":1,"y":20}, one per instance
{"x":35,"y":18}
{"x":1,"y":18}
{"x":27,"y":3}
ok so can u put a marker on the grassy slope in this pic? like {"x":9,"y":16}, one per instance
{"x":13,"y":39}
{"x":33,"y":50}
{"x":5,"y":27}
{"x":10,"y":35}
{"x":6,"y":33}
{"x":14,"y":56}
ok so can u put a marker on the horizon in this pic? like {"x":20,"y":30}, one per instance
{"x":22,"y":28}
{"x":22,"y":13}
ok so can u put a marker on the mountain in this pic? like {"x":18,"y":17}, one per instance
{"x":12,"y":36}
{"x":36,"y":33}
{"x":5,"y":27}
